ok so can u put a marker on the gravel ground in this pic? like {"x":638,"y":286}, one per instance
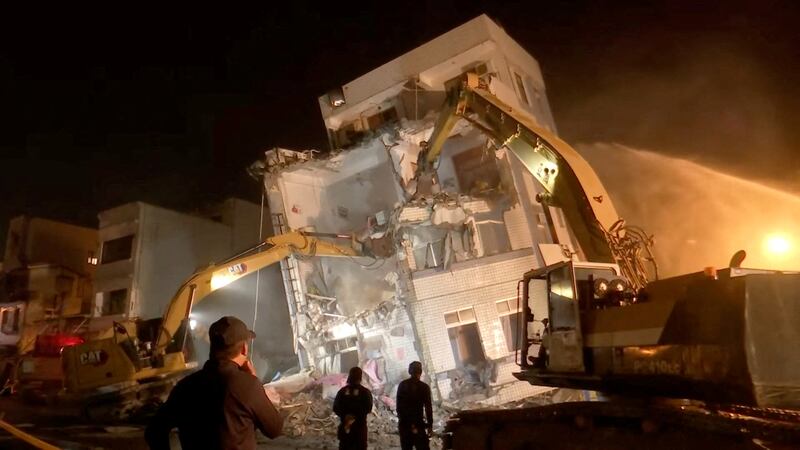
{"x":66,"y":429}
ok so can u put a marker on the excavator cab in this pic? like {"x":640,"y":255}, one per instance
{"x":553,"y":300}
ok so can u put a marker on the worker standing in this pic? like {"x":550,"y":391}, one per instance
{"x":220,"y":406}
{"x":352,"y":404}
{"x":414,"y":398}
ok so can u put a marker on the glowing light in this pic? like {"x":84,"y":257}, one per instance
{"x":222,"y":279}
{"x":192,"y":324}
{"x":342,"y":330}
{"x":777,"y":244}
{"x":228,"y":275}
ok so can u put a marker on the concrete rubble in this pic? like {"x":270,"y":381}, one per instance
{"x":306,"y":400}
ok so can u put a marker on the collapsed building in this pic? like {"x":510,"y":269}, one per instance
{"x":448,"y":249}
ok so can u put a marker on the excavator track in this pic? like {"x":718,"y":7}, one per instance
{"x":621,"y":425}
{"x":132,"y":403}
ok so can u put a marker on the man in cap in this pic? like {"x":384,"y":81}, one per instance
{"x":414,"y":398}
{"x":221,"y":405}
{"x":352,"y":404}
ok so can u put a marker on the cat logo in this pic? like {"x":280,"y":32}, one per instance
{"x":94,"y":358}
{"x":238,"y":269}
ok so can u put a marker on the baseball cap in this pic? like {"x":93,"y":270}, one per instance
{"x":228,"y":331}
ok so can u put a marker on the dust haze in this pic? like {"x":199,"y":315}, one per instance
{"x":699,"y":216}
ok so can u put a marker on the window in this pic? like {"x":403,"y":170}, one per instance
{"x":117,"y":249}
{"x":91,"y":259}
{"x":345,"y":344}
{"x":482,"y":69}
{"x":510,"y":319}
{"x":465,"y":338}
{"x":346,"y":351}
{"x":463,"y":316}
{"x":563,"y":315}
{"x":115,"y":302}
{"x":518,"y":81}
{"x":476,"y":171}
{"x":348,"y":360}
{"x":10,"y":320}
{"x":387,"y":115}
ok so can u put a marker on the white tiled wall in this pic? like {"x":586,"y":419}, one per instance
{"x":479,"y":286}
{"x":517,"y":228}
{"x":414,"y":214}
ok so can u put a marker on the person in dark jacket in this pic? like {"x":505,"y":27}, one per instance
{"x":352,"y":404}
{"x":220,"y":406}
{"x":414,"y":398}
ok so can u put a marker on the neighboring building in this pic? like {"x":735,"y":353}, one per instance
{"x":147,"y":252}
{"x":48,"y":280}
{"x":452,"y":251}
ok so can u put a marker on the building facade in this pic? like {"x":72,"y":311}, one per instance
{"x":48,"y":280}
{"x":146,"y":252}
{"x":447,"y":251}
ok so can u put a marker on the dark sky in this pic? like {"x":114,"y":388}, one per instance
{"x":105,"y":105}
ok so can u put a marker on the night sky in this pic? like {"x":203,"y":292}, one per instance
{"x":169,"y":105}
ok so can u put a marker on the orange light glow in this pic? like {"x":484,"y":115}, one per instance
{"x":777,"y":245}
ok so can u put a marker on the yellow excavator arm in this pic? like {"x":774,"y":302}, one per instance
{"x":565,"y":175}
{"x":219,"y":275}
{"x":568,"y":181}
{"x":117,"y":360}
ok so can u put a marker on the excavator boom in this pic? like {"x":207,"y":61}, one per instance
{"x":566,"y":179}
{"x":600,"y":318}
{"x":219,"y":275}
{"x":124,"y":360}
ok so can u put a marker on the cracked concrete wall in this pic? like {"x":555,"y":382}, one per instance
{"x":337,"y":195}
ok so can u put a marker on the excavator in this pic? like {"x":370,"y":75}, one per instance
{"x":712,"y":353}
{"x":702,"y":354}
{"x":127,"y":374}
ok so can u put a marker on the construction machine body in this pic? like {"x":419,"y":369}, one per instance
{"x":596,"y":316}
{"x":156,"y":353}
{"x":718,"y":337}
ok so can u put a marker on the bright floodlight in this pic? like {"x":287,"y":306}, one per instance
{"x":192,"y":324}
{"x":777,"y":244}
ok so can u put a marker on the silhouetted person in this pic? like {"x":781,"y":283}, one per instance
{"x":414,"y":398}
{"x":221,"y":405}
{"x":542,"y":359}
{"x":352,"y":404}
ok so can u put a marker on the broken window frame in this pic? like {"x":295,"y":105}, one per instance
{"x":346,"y":358}
{"x":336,"y":350}
{"x":464,"y":318}
{"x":473,"y":165}
{"x":381,"y":117}
{"x":510,"y":319}
{"x":518,"y":80}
